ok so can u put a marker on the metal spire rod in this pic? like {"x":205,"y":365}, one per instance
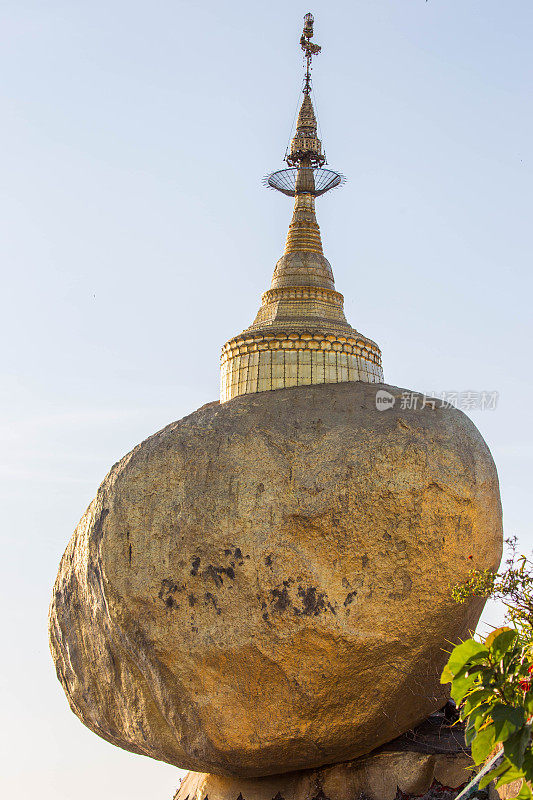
{"x":309,"y":49}
{"x":305,"y":157}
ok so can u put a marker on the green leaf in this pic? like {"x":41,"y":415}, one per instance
{"x":470,"y":678}
{"x":494,"y":773}
{"x":469,"y":650}
{"x":462,"y":684}
{"x":478,"y":717}
{"x":475,"y":669}
{"x":470,"y":732}
{"x":500,"y":640}
{"x":481,"y":719}
{"x":528,"y":702}
{"x":516,"y":744}
{"x":527,"y":764}
{"x":446,"y":675}
{"x":505,"y":773}
{"x":495,"y":633}
{"x":474,"y":700}
{"x":483,"y":743}
{"x":507,"y":720}
{"x":476,"y":722}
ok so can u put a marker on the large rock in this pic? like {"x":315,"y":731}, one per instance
{"x":264,"y":585}
{"x":431,"y":763}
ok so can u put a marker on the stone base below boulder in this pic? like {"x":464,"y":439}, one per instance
{"x":428,"y":762}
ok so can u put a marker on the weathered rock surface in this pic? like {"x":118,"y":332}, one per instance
{"x":384,"y":776}
{"x":432,"y":762}
{"x":264,"y":586}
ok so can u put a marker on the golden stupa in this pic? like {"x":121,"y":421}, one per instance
{"x":300,"y":335}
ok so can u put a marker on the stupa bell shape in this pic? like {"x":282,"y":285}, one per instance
{"x":300,"y":335}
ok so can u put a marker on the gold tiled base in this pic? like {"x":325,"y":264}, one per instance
{"x":260,"y":363}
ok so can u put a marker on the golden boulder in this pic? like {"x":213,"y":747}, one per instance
{"x":264,"y":586}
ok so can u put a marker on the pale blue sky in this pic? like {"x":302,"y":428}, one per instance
{"x":137,"y":238}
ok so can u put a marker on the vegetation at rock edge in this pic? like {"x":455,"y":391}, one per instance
{"x":491,"y":679}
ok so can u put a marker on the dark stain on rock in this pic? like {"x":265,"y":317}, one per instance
{"x":95,"y":574}
{"x":213,"y":600}
{"x":217,"y":574}
{"x":195,"y":566}
{"x":313,"y":602}
{"x":280,"y":599}
{"x":213,"y":573}
{"x":167,"y":586}
{"x":364,"y":561}
{"x":268,"y":561}
{"x":260,"y":489}
{"x":310,"y":602}
{"x":167,"y":591}
{"x":238,"y":554}
{"x":406,"y":586}
{"x":192,"y":600}
{"x":350,"y":598}
{"x":99,"y":525}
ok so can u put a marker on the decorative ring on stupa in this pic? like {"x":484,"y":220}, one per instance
{"x":284,"y":180}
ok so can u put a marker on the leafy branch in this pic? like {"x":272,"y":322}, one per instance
{"x":491,"y":680}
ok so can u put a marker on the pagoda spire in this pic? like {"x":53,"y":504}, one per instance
{"x":300,"y":335}
{"x":310,"y":49}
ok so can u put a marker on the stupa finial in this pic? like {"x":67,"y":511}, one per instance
{"x":310,"y":49}
{"x":305,"y":156}
{"x":300,"y":335}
